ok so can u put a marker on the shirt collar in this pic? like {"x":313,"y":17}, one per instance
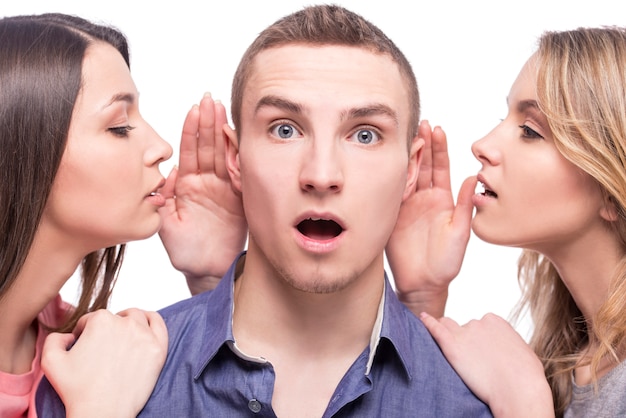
{"x":396,"y":328}
{"x":219,"y":312}
{"x":375,"y":337}
{"x":390,"y":323}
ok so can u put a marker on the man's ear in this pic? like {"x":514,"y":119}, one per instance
{"x":232,"y":157}
{"x":415,"y":161}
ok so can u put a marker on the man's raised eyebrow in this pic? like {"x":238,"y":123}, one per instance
{"x":121,"y":97}
{"x":278,"y":102}
{"x":371,"y":110}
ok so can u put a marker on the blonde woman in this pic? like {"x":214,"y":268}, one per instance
{"x":554,"y":183}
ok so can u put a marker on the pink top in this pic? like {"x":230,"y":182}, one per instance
{"x":17,"y":391}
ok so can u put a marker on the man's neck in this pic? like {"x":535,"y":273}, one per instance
{"x":310,"y":339}
{"x":268,"y":310}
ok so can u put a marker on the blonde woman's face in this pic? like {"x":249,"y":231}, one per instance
{"x":533,"y":197}
{"x":103,"y":194}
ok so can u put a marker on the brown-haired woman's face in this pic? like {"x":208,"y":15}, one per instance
{"x":105,"y":191}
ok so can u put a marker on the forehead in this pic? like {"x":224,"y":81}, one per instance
{"x":105,"y":74}
{"x":525,"y":85}
{"x":329,"y":75}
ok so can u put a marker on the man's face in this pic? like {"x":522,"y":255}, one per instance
{"x":322,"y":163}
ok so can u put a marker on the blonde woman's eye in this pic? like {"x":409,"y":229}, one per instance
{"x":529,"y":133}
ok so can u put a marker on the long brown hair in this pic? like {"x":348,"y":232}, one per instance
{"x":581,"y":87}
{"x":41,"y":60}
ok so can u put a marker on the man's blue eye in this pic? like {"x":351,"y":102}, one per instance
{"x":366,"y":136}
{"x":285,"y":131}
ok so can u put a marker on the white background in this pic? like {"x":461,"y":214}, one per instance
{"x":465,"y":54}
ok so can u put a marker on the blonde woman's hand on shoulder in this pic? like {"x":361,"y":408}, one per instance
{"x":496,"y":364}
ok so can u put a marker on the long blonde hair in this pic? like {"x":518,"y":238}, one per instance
{"x":581,"y":88}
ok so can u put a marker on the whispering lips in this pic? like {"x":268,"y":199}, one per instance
{"x":155,"y":191}
{"x":319,"y":229}
{"x":156,"y":198}
{"x":485,"y":191}
{"x":484,"y":188}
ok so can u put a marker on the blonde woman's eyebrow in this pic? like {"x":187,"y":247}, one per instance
{"x":527,"y":105}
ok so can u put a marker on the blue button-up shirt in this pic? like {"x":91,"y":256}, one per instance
{"x":401,"y":374}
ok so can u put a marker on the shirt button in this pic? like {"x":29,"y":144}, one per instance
{"x":254,"y":405}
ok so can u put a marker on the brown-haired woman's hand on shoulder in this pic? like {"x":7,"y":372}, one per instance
{"x":112,"y":365}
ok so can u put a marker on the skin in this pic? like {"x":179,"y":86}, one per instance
{"x":496,"y":363}
{"x":103,"y":195}
{"x":552,"y":200}
{"x":544,"y":202}
{"x":443,"y":227}
{"x":432,"y":223}
{"x":533,"y":198}
{"x":203,"y":214}
{"x":131,"y":346}
{"x":324,"y":154}
{"x":106,"y":132}
{"x":442,"y":222}
{"x":323,"y":136}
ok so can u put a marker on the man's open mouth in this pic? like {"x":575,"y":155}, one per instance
{"x":319,"y":229}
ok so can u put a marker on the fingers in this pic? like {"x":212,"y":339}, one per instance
{"x":128,"y":347}
{"x":467,"y":191}
{"x":430,"y":322}
{"x":202,"y":140}
{"x":55,"y":346}
{"x":168,"y":188}
{"x":220,"y":138}
{"x":85,"y":319}
{"x":153,"y":319}
{"x":441,"y":330}
{"x":158,"y":330}
{"x":206,"y":135}
{"x":157,"y":324}
{"x":425,"y":176}
{"x":188,"y":159}
{"x":440,"y":159}
{"x":462,"y":217}
{"x":435,"y":167}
